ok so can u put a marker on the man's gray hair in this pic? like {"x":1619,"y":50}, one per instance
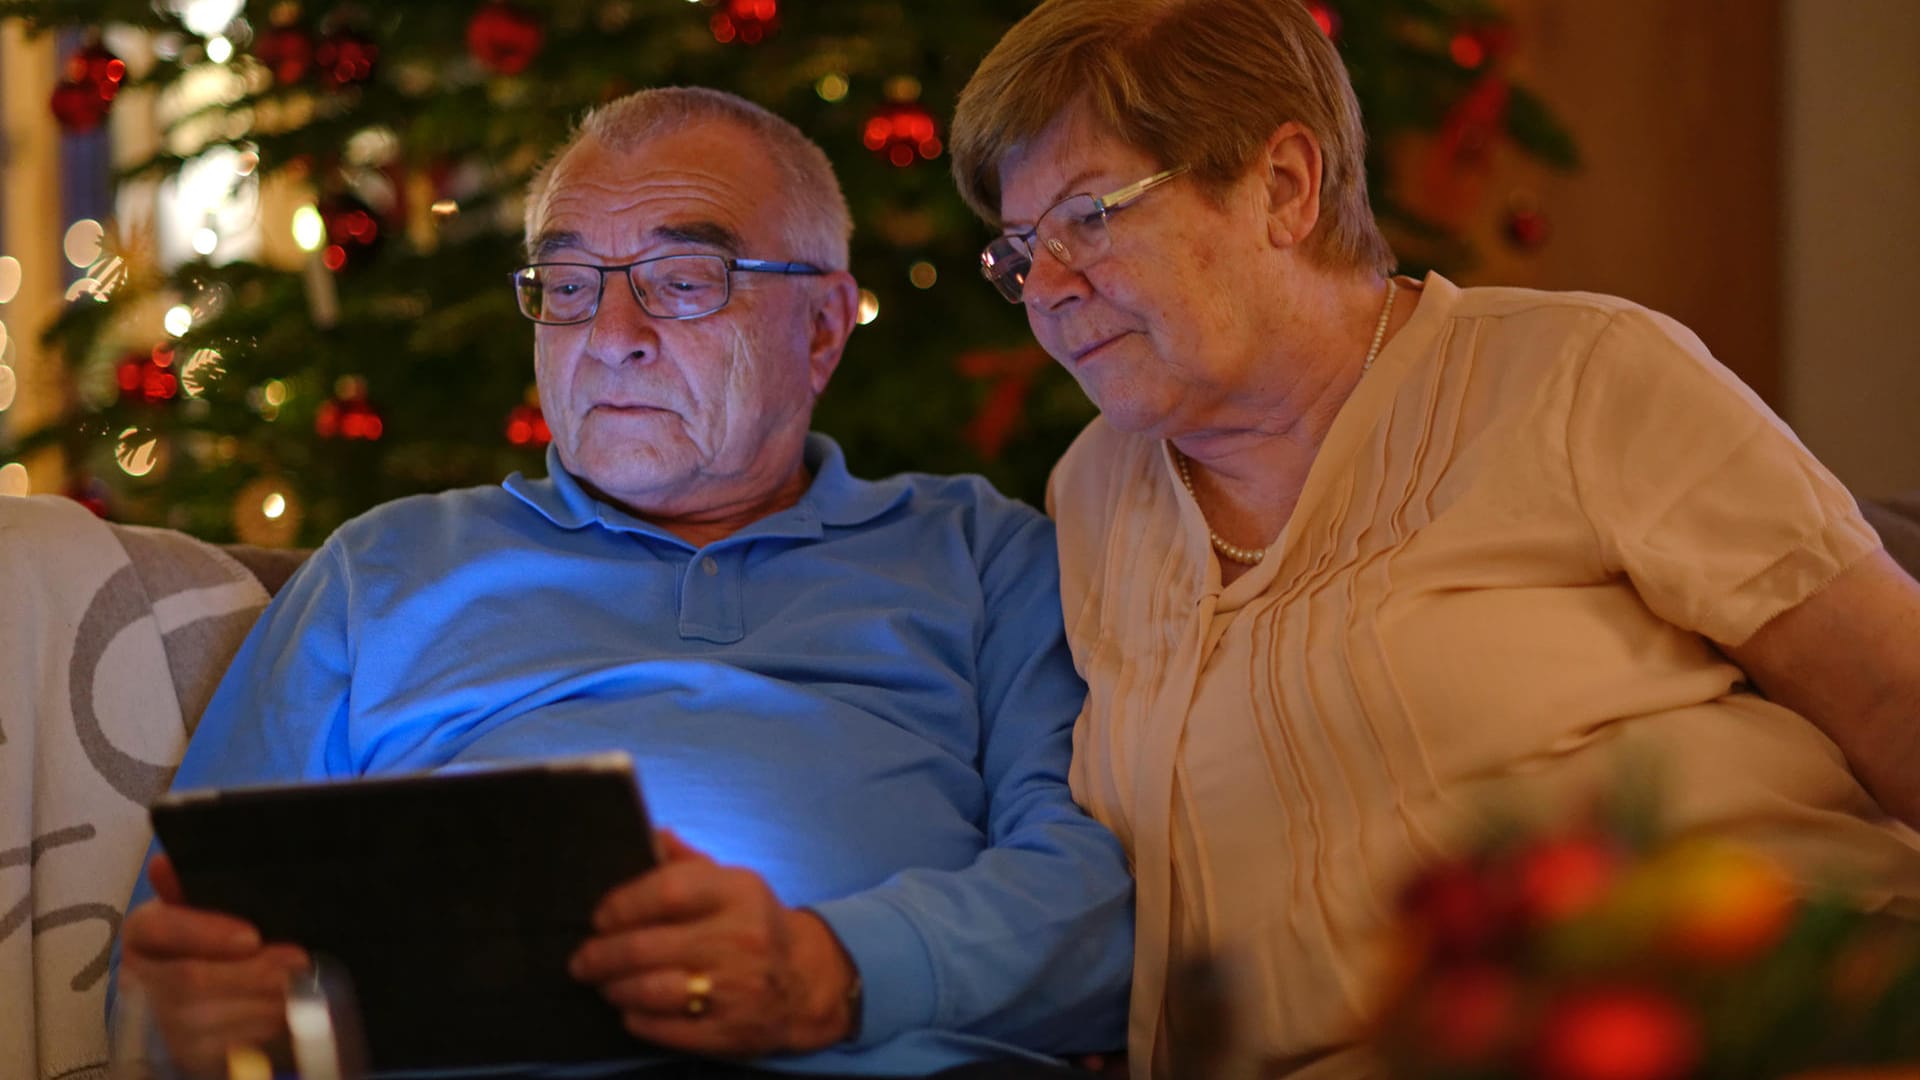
{"x":818,"y":227}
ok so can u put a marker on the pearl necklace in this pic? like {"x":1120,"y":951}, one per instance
{"x":1252,"y":556}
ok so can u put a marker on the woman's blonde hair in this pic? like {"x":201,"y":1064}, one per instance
{"x":1201,"y":83}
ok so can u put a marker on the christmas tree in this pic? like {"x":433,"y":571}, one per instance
{"x":346,"y":336}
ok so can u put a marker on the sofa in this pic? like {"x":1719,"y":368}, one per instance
{"x":112,"y":638}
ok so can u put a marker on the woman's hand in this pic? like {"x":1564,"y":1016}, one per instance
{"x":210,"y":983}
{"x":704,"y":958}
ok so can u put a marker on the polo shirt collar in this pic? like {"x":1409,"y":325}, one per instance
{"x":836,"y":498}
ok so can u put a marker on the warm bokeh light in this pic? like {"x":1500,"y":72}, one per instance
{"x":205,"y":240}
{"x":179,"y":320}
{"x":199,"y":371}
{"x":273,"y":506}
{"x":14,"y":479}
{"x":831,"y":87}
{"x":309,"y":231}
{"x":83,"y":242}
{"x":219,"y":50}
{"x":445,"y":207}
{"x":9,"y":385}
{"x":869,"y":306}
{"x":923,"y":275}
{"x":9,"y":278}
{"x":274,"y":393}
{"x":137,"y":459}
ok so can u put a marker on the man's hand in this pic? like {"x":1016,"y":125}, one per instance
{"x":210,"y":983}
{"x":704,"y":958}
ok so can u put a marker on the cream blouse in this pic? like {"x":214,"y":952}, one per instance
{"x":1499,"y":590}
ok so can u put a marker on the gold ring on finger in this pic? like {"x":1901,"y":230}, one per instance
{"x":699,"y":987}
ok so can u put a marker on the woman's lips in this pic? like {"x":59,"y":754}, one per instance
{"x":1088,"y":350}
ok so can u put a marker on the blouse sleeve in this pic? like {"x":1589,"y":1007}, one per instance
{"x":1696,"y":490}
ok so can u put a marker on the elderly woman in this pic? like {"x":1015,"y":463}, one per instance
{"x":1348,"y":557}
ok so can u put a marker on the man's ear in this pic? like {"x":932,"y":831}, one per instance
{"x":1292,"y":160}
{"x":836,"y":306}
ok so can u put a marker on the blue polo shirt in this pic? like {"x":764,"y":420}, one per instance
{"x":867,"y":698}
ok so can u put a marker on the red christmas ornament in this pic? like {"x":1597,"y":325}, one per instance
{"x":1467,"y":1017}
{"x":286,"y":51}
{"x":1461,"y":909}
{"x":87,"y":88}
{"x":78,"y":106}
{"x":1328,"y":18}
{"x":353,"y":232}
{"x":504,"y":37}
{"x":346,"y":58}
{"x":148,"y":376}
{"x":900,"y":131}
{"x":94,"y":64}
{"x":1528,"y":229}
{"x":89,"y":492}
{"x":747,"y":21}
{"x":527,"y":426}
{"x":348,"y":417}
{"x":1564,"y":877}
{"x":1624,"y":1033}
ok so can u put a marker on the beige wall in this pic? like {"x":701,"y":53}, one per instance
{"x":1851,"y":369}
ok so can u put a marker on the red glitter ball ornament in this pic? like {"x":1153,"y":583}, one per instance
{"x":354,"y":234}
{"x":504,"y":37}
{"x":1625,"y":1033}
{"x":345,"y":58}
{"x":352,"y":417}
{"x":747,"y":21}
{"x":148,"y":376}
{"x":527,"y":426}
{"x":286,"y":51}
{"x":78,"y":106}
{"x":1326,"y":17}
{"x":902,"y":131}
{"x":93,"y":63}
{"x":87,"y":87}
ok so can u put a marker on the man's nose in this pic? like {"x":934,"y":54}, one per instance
{"x":622,"y":330}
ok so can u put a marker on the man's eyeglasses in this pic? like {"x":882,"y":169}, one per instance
{"x":1074,"y":230}
{"x":667,"y":286}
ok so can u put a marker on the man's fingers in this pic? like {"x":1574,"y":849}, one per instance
{"x":673,"y":849}
{"x":608,"y":957}
{"x":165,"y":930}
{"x":675,"y":892}
{"x":165,"y":882}
{"x":661,"y":992}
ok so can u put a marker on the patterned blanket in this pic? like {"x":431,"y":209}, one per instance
{"x":109,"y":636}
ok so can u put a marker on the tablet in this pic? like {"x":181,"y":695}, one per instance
{"x":452,"y":899}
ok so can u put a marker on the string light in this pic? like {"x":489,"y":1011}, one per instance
{"x":205,"y":240}
{"x":831,"y":87}
{"x":869,"y":306}
{"x":219,"y":50}
{"x":179,"y":320}
{"x":273,"y":506}
{"x":923,"y":274}
{"x":9,"y":278}
{"x":9,"y":386}
{"x":14,"y":479}
{"x":309,"y":231}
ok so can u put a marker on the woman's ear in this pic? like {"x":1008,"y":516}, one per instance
{"x":1292,"y":167}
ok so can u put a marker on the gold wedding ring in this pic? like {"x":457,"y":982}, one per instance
{"x":698,"y":987}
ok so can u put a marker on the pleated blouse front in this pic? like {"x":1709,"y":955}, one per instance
{"x":1498,"y":590}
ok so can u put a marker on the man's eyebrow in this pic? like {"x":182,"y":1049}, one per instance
{"x":549,"y":242}
{"x":709,"y":234}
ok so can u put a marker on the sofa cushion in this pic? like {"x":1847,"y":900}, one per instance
{"x":111,"y":635}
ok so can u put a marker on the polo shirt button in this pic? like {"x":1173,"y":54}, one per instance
{"x":709,"y":567}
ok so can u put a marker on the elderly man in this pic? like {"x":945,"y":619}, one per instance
{"x":850,"y":701}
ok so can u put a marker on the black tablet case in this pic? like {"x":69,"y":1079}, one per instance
{"x":453,"y":900}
